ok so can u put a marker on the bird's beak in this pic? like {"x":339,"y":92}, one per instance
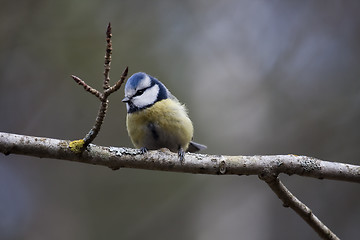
{"x":125,"y":99}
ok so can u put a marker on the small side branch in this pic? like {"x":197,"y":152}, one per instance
{"x":118,"y":84}
{"x":79,"y":146}
{"x":289,"y":200}
{"x":87,"y":87}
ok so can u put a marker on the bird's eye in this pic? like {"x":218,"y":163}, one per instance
{"x":139,"y":92}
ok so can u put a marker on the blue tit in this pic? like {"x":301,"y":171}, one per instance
{"x":155,"y":118}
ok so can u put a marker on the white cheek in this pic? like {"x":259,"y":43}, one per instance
{"x":147,"y":98}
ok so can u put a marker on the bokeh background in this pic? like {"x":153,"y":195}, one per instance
{"x":258,"y":77}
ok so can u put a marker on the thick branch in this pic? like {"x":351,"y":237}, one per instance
{"x":164,"y":160}
{"x":266,"y":167}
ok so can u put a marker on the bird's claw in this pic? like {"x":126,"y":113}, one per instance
{"x":143,"y":150}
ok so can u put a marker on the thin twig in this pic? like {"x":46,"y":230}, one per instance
{"x":98,"y":122}
{"x":300,"y":208}
{"x":87,"y":87}
{"x":79,"y":145}
{"x":108,"y":53}
{"x":118,"y":84}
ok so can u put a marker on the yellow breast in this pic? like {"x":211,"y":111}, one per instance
{"x":165,"y":124}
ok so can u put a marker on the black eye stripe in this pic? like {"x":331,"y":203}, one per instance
{"x":140,"y":92}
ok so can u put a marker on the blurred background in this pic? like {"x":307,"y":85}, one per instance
{"x":258,"y":77}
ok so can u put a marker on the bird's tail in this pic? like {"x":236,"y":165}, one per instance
{"x":195,"y":147}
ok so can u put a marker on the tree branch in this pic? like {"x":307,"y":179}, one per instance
{"x":164,"y":160}
{"x":267,"y":167}
{"x":80,"y":145}
{"x":300,"y":208}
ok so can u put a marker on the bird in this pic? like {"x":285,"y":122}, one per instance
{"x":156,"y":119}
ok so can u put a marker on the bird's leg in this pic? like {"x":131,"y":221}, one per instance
{"x":181,"y":154}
